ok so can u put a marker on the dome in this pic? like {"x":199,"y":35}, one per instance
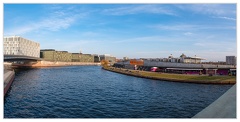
{"x":183,"y":56}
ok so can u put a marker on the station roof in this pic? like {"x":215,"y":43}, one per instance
{"x":195,"y":58}
{"x":182,"y":69}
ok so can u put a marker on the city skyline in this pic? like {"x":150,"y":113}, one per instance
{"x":132,"y":30}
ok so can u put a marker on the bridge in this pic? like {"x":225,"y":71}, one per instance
{"x":12,"y":58}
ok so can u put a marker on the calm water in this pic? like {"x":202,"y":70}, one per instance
{"x":90,"y":92}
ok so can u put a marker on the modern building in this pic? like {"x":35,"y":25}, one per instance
{"x":86,"y":58}
{"x":96,"y":58}
{"x":75,"y":57}
{"x":79,"y":57}
{"x":182,"y":59}
{"x":109,"y":58}
{"x":231,"y":60}
{"x":183,"y":65}
{"x":64,"y":56}
{"x":16,"y":45}
{"x":52,"y":55}
{"x":48,"y":54}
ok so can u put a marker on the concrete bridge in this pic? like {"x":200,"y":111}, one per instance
{"x":12,"y":58}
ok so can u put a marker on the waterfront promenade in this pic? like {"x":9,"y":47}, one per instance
{"x":8,"y":79}
{"x":203,"y":79}
{"x":54,"y":64}
{"x":223,"y":107}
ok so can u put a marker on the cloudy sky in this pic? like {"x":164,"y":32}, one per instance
{"x":132,"y":30}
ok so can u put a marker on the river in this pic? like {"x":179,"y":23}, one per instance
{"x":91,"y":92}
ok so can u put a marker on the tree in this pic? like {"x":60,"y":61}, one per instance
{"x":104,"y":63}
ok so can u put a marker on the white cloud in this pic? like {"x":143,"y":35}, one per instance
{"x":177,"y":27}
{"x":210,"y":9}
{"x":199,"y":44}
{"x":189,"y":27}
{"x":188,"y":33}
{"x":143,"y":39}
{"x":55,"y":24}
{"x":136,"y":9}
{"x":57,"y":19}
{"x":226,"y":18}
{"x":50,"y":24}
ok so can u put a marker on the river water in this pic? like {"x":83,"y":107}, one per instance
{"x":91,"y":92}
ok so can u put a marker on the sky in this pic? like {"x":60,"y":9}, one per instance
{"x":128,"y":30}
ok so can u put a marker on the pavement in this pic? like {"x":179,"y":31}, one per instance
{"x":223,"y":107}
{"x":7,"y":75}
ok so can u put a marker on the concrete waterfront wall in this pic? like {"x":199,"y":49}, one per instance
{"x":223,"y":107}
{"x":7,"y":66}
{"x":8,"y":79}
{"x":54,"y":64}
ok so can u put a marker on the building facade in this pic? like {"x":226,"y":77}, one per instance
{"x":231,"y":60}
{"x":86,"y":58}
{"x":75,"y":57}
{"x":16,"y":45}
{"x":64,"y":56}
{"x":109,"y":58}
{"x":48,"y":54}
{"x":182,"y":59}
{"x":96,"y":58}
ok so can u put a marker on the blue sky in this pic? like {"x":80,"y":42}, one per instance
{"x":132,"y":30}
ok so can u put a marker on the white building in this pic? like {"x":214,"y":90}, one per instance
{"x":195,"y":60}
{"x":231,"y":60}
{"x":16,"y":45}
{"x":125,"y":58}
{"x":182,"y":59}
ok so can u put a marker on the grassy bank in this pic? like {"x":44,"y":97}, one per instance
{"x":204,"y":79}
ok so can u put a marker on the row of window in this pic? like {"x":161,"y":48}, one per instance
{"x":8,"y":45}
{"x":23,"y":48}
{"x":17,"y":53}
{"x":10,"y":48}
{"x":22,"y":41}
{"x":29,"y":44}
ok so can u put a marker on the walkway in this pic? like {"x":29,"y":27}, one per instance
{"x":223,"y":107}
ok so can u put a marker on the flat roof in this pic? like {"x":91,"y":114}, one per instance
{"x":194,"y":58}
{"x":47,"y":50}
{"x":182,"y":69}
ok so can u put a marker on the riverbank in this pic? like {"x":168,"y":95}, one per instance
{"x":8,"y":79}
{"x":40,"y":64}
{"x":202,"y":79}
